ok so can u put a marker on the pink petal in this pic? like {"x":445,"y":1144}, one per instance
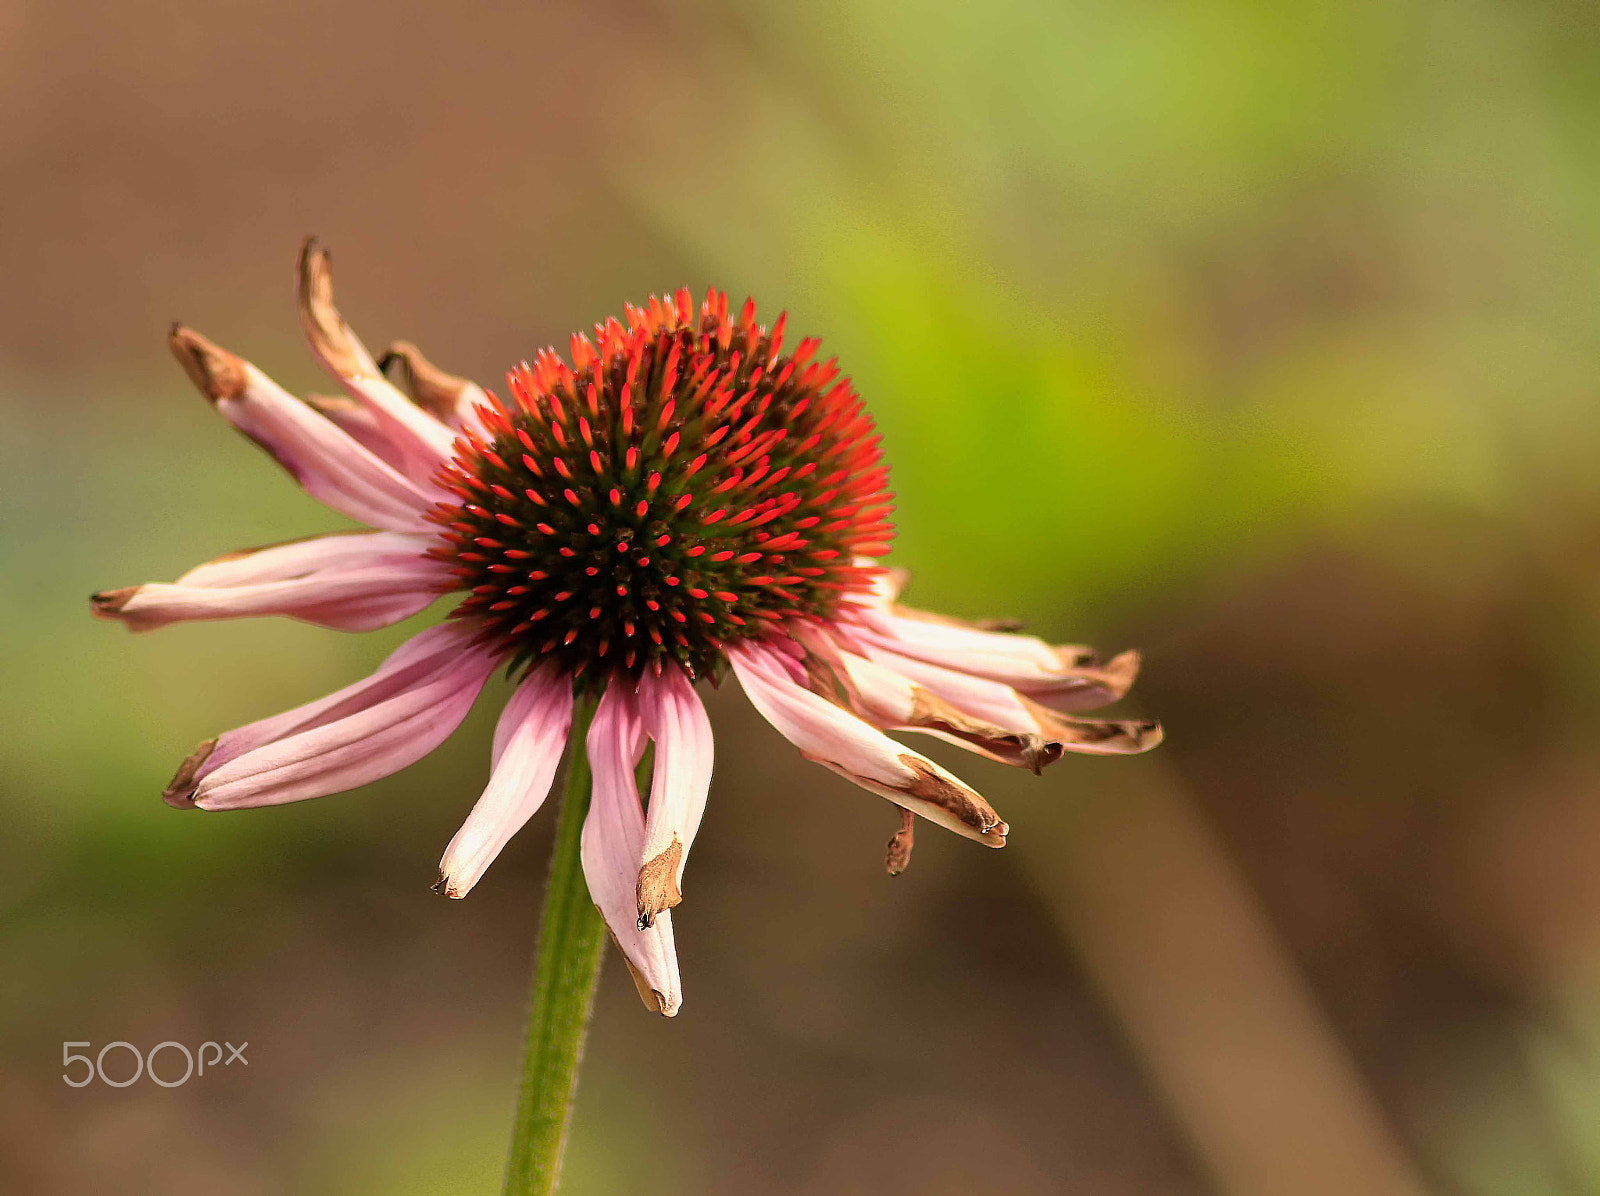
{"x":838,"y":739}
{"x":613,"y":842}
{"x":1068,"y":677}
{"x":423,"y":442}
{"x":530,"y":738}
{"x":352,"y":582}
{"x":1040,"y":735}
{"x":361,"y":733}
{"x":674,"y":717}
{"x":324,"y":460}
{"x":890,"y":700}
{"x":361,"y":426}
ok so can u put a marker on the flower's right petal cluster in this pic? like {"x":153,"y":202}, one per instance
{"x":887,"y":667}
{"x":824,"y":731}
{"x":1000,"y":694}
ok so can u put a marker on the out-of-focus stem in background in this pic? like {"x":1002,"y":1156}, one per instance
{"x":1211,"y":1003}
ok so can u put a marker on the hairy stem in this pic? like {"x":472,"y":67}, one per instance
{"x":572,"y":942}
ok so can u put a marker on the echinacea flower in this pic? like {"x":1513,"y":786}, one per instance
{"x":682,"y":496}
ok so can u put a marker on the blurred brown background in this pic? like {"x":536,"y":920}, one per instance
{"x":1260,"y":337}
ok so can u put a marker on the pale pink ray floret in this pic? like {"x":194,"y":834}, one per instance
{"x":681,"y":499}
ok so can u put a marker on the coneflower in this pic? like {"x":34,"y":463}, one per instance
{"x":681,"y":495}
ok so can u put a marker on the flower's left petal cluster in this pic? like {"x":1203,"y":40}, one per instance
{"x":613,"y":844}
{"x":372,"y":457}
{"x":328,"y":463}
{"x":362,"y":733}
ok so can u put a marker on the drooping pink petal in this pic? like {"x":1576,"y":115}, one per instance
{"x":612,"y":845}
{"x":423,"y":442}
{"x":674,"y":717}
{"x":1067,"y":677}
{"x":352,"y":582}
{"x":330,"y":465}
{"x":891,"y":701}
{"x":361,"y":733}
{"x":833,"y":736}
{"x":529,"y":739}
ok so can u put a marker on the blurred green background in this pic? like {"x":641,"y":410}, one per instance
{"x":1260,"y":337}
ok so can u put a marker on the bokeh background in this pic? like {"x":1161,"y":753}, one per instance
{"x":1262,"y":337}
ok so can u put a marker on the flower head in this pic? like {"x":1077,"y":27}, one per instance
{"x":679,"y":496}
{"x":681,"y":488}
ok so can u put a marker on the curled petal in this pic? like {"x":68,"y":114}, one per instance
{"x":449,"y":399}
{"x":1001,"y":723}
{"x":349,"y":581}
{"x":529,"y":740}
{"x":422,"y":440}
{"x":328,"y":463}
{"x":674,"y":717}
{"x":359,"y":734}
{"x":832,"y":736}
{"x":613,"y":841}
{"x":1067,"y":677}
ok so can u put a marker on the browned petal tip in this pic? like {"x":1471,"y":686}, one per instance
{"x":1037,"y":754}
{"x":429,"y":387}
{"x":1121,"y":670}
{"x":658,"y":883}
{"x":107,"y":604}
{"x":1110,"y":736}
{"x":900,"y":844}
{"x":179,"y":793}
{"x":955,"y":799}
{"x":323,"y":325}
{"x":446,"y":888}
{"x":1148,"y":734}
{"x":217,"y":373}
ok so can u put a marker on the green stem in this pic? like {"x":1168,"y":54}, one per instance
{"x":572,"y":942}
